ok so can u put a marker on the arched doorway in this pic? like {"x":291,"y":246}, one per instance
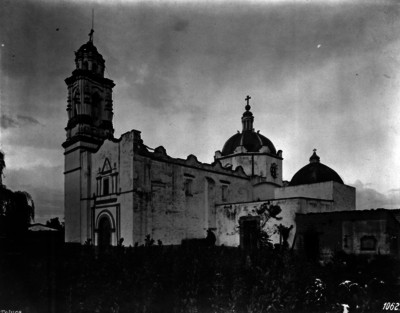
{"x":104,"y":229}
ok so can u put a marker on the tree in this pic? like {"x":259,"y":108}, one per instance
{"x":17,"y":209}
{"x":2,"y":167}
{"x":55,"y":223}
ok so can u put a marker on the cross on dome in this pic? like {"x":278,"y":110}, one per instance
{"x":247,"y":107}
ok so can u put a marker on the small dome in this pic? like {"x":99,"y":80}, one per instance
{"x":89,"y":46}
{"x":252,"y":141}
{"x":88,"y":58}
{"x":315,"y":172}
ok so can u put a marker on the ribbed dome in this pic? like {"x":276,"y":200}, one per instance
{"x":251,"y":140}
{"x":315,"y":172}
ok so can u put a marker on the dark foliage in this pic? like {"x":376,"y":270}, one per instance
{"x":55,"y":223}
{"x":17,"y":210}
{"x":157,"y":278}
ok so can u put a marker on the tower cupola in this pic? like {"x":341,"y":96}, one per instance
{"x":87,"y":58}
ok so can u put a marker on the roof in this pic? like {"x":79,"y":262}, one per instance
{"x":371,"y":214}
{"x":315,"y":172}
{"x":40,"y":227}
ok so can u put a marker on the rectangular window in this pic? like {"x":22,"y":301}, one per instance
{"x":346,"y":241}
{"x":224,"y":193}
{"x":188,"y":187}
{"x":106,"y":186}
{"x":368,"y":243}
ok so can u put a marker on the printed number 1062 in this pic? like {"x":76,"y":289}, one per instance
{"x":391,"y":306}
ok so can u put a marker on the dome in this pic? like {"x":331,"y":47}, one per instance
{"x":251,"y":140}
{"x":89,"y":46}
{"x":88,"y":58}
{"x":315,"y":172}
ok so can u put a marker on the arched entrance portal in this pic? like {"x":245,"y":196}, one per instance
{"x":104,"y":229}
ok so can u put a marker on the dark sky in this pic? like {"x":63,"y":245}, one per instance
{"x":321,"y":74}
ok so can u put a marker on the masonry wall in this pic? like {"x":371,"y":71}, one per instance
{"x":263,"y":191}
{"x":343,"y":196}
{"x":76,"y":179}
{"x":228,"y":216}
{"x":113,"y":163}
{"x":148,"y":193}
{"x":345,"y":230}
{"x":262,"y":165}
{"x":317,"y":191}
{"x":168,"y":211}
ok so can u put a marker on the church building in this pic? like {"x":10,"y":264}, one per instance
{"x":120,"y":188}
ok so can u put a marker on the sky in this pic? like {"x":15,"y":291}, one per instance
{"x":321,"y":74}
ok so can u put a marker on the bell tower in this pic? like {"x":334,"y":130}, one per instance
{"x":90,"y":107}
{"x":90,"y":115}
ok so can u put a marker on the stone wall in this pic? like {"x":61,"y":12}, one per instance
{"x":343,"y":196}
{"x":180,"y":196}
{"x":228,"y":216}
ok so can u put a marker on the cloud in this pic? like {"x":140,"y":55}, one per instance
{"x":181,"y":25}
{"x":369,"y":198}
{"x":28,"y":120}
{"x":8,"y":122}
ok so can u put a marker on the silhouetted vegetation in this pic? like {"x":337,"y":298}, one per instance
{"x":200,"y":279}
{"x":55,"y":223}
{"x":17,"y":209}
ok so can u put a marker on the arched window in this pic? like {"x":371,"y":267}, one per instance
{"x":85,"y":65}
{"x":94,"y":67}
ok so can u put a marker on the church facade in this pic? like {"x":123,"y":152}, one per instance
{"x":118,"y":188}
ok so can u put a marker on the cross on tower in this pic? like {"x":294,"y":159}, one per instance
{"x":91,"y":35}
{"x":92,"y":30}
{"x":247,"y":99}
{"x":315,"y":150}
